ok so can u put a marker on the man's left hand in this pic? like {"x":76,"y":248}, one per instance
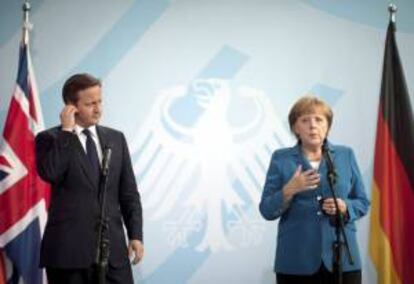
{"x":135,"y":251}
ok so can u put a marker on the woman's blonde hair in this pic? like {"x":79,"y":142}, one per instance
{"x":307,"y":105}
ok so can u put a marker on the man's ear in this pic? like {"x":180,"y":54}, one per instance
{"x":72,"y":104}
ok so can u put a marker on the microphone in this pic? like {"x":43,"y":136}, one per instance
{"x":331,"y":173}
{"x":106,"y":160}
{"x":326,"y":152}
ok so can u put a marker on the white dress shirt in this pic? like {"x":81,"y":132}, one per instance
{"x":315,"y":164}
{"x":95,"y":138}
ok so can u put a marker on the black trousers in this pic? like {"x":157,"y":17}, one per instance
{"x":114,"y":275}
{"x":323,"y":276}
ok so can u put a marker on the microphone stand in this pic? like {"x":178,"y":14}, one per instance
{"x":339,"y":222}
{"x":102,"y":247}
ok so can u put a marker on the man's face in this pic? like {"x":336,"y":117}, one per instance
{"x":89,"y":106}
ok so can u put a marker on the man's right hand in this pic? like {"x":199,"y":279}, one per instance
{"x":67,"y":118}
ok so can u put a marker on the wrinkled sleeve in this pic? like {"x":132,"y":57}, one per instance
{"x":272,"y":204}
{"x":53,"y":152}
{"x":357,"y":201}
{"x":129,"y":197}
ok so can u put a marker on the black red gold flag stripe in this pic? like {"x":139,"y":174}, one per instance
{"x":392,"y":215}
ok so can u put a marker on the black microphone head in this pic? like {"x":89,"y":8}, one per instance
{"x":106,"y":160}
{"x":325,"y":147}
{"x":107,"y":150}
{"x":107,"y":147}
{"x":107,"y":153}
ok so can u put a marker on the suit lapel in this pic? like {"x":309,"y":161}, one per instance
{"x":104,"y":139}
{"x":300,"y":158}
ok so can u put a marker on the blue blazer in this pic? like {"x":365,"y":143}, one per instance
{"x":305,"y":235}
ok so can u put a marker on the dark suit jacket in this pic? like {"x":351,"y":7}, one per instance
{"x":71,"y":231}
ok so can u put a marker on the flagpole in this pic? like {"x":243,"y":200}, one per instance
{"x":27,"y":26}
{"x":392,"y":9}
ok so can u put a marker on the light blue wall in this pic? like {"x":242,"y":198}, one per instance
{"x":202,"y":89}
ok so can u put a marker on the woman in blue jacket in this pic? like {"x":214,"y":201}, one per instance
{"x":297,"y":191}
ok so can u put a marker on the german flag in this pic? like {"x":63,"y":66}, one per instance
{"x":392,"y":215}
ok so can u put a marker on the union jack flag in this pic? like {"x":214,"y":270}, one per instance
{"x":23,"y":195}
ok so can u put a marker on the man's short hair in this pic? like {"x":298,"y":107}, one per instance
{"x":76,"y":83}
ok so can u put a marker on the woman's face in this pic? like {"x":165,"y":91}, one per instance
{"x":311,"y":129}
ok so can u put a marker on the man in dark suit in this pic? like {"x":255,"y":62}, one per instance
{"x":69,"y":157}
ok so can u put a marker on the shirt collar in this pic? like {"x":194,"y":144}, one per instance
{"x":92,"y":129}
